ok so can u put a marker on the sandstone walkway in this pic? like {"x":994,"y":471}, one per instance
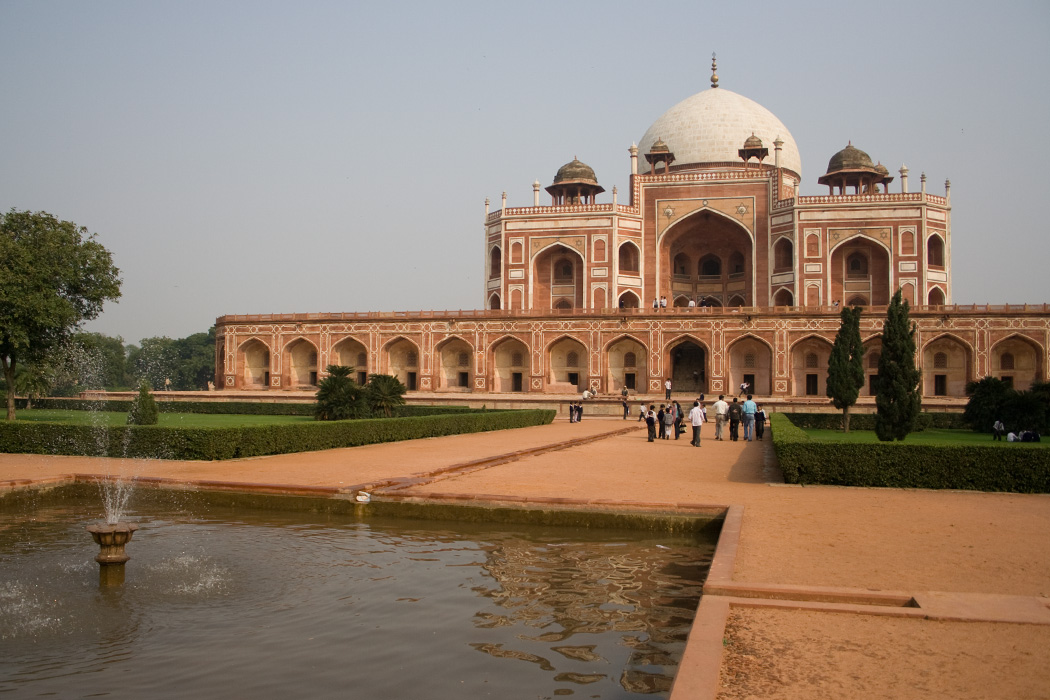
{"x":817,"y":592}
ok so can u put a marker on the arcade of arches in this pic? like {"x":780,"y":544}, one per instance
{"x":702,"y":350}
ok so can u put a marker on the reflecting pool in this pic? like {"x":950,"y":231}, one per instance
{"x":229,"y":602}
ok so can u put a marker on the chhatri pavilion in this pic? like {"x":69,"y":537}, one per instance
{"x":712,"y":270}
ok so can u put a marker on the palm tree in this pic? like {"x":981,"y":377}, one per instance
{"x":384,"y":393}
{"x":338,"y":396}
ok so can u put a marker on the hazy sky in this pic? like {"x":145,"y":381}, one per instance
{"x":258,"y":157}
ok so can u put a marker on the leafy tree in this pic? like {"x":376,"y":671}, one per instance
{"x":33,"y":382}
{"x":109,"y":358}
{"x":338,"y":396}
{"x":143,"y":408}
{"x":188,"y":362}
{"x":53,"y":276}
{"x":1025,"y":410}
{"x":153,"y":361}
{"x":988,"y":397}
{"x":846,"y":364}
{"x":897,"y":402}
{"x":384,"y":393}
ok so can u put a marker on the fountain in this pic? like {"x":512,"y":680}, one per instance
{"x":111,"y":539}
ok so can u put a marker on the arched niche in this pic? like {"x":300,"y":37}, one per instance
{"x":567,"y":366}
{"x":629,"y":259}
{"x":714,"y":241}
{"x":946,"y":363}
{"x":510,"y":366}
{"x":558,"y":279}
{"x":495,"y":262}
{"x":872,"y":353}
{"x":402,"y":361}
{"x":687,"y":359}
{"x":456,"y":371}
{"x":255,"y":364}
{"x":1015,"y":360}
{"x":629,"y":300}
{"x":783,"y":255}
{"x":809,"y":367}
{"x":935,"y":297}
{"x":783,"y":297}
{"x":301,"y":364}
{"x":350,"y":352}
{"x":750,"y":359}
{"x":627,"y":361}
{"x":935,"y":252}
{"x":860,"y":269}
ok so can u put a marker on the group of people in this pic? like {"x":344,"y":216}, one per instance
{"x":999,"y":432}
{"x":748,"y":413}
{"x":576,"y":411}
{"x":664,"y":422}
{"x":661,"y":303}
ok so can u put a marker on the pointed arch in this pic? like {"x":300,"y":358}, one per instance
{"x":300,"y":363}
{"x":935,"y":251}
{"x":1025,"y":365}
{"x":558,"y":273}
{"x":567,"y":363}
{"x":629,"y":258}
{"x":935,"y":297}
{"x":455,"y":371}
{"x":809,"y":357}
{"x":947,"y":362}
{"x":494,"y":301}
{"x":401,"y":359}
{"x":352,"y":352}
{"x":495,"y":262}
{"x":253,"y":359}
{"x":627,"y":364}
{"x":750,"y":359}
{"x":629,"y":300}
{"x":509,"y":358}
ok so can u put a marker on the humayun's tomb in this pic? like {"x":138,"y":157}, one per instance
{"x":752,"y":274}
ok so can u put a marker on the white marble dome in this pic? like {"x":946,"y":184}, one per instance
{"x":711,"y":126}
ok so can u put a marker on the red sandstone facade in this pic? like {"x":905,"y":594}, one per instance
{"x":752,"y":275}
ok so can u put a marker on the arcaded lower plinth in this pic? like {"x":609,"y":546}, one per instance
{"x":111,"y":538}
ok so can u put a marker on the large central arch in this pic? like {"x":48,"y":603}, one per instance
{"x":708,"y":257}
{"x":687,"y":360}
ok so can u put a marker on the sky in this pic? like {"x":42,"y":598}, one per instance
{"x":268,"y":157}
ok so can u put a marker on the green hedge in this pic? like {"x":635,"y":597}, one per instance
{"x":866,"y":421}
{"x":971,"y":467}
{"x":247,"y":408}
{"x":157,"y":442}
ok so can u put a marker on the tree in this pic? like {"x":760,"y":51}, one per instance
{"x":897,"y":401}
{"x":846,"y":364}
{"x":988,"y":397}
{"x":33,"y":382}
{"x":53,"y":276}
{"x":338,"y":396}
{"x":143,"y":408}
{"x":384,"y":393}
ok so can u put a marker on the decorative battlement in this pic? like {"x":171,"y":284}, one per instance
{"x":882,"y":198}
{"x":562,"y":210}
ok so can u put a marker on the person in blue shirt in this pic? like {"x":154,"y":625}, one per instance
{"x":750,"y":407}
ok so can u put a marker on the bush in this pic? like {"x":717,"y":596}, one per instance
{"x":866,"y":421}
{"x":804,"y":460}
{"x":143,"y":409}
{"x":247,"y":408}
{"x":227,"y":443}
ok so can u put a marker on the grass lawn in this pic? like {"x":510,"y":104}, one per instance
{"x":931,"y":436}
{"x":184,"y":420}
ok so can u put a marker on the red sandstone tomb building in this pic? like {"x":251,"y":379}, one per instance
{"x":752,"y":274}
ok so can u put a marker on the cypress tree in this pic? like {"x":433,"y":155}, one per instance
{"x":143,"y":408}
{"x":846,"y":364}
{"x":898,"y":400}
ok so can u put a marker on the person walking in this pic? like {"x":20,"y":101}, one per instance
{"x":679,"y":417}
{"x":696,"y":419}
{"x":641,"y":411}
{"x":667,"y":389}
{"x":760,"y":422}
{"x":998,"y":430}
{"x":735,"y":413}
{"x":749,"y":408}
{"x":721,"y":415}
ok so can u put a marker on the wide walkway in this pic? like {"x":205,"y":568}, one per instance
{"x":792,"y":600}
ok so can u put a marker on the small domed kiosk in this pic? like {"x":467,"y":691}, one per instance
{"x":575,"y":183}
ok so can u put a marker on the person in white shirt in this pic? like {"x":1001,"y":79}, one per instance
{"x":696,"y":418}
{"x":721,"y":414}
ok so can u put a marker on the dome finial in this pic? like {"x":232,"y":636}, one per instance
{"x":714,"y":67}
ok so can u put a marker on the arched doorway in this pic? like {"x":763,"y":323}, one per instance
{"x":945,"y":367}
{"x":809,"y":367}
{"x":627,"y":366}
{"x":558,"y":279}
{"x":302,"y":364}
{"x":351,"y":353}
{"x":860,"y":272}
{"x":402,"y":361}
{"x":629,"y":300}
{"x":707,"y":255}
{"x":455,"y":372}
{"x":751,"y":361}
{"x":510,"y":366}
{"x":1015,"y":361}
{"x":256,"y":365}
{"x":567,"y":363}
{"x":688,"y":363}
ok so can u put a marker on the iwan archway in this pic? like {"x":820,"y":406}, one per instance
{"x":707,"y":257}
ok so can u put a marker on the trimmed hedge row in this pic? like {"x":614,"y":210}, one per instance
{"x":866,"y":421}
{"x":157,"y":442}
{"x":247,"y":408}
{"x":970,"y":467}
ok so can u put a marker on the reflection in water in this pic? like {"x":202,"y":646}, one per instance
{"x":270,"y":605}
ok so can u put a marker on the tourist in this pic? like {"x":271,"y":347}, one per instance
{"x":998,"y":430}
{"x":721,"y":414}
{"x":735,"y":413}
{"x":663,"y":303}
{"x":579,"y":411}
{"x":167,"y":383}
{"x":641,"y":411}
{"x":656,"y":303}
{"x":650,"y":423}
{"x":760,"y":422}
{"x":679,"y":417}
{"x":696,"y":419}
{"x":660,"y":421}
{"x":668,"y":421}
{"x":667,"y":389}
{"x":692,"y":303}
{"x":744,"y":386}
{"x":749,"y":408}
{"x":626,"y":408}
